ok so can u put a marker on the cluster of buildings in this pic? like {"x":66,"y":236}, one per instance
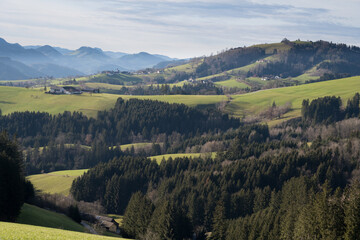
{"x":71,"y":90}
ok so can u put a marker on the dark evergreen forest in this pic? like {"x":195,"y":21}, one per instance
{"x":72,"y":140}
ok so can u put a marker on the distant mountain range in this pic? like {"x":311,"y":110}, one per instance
{"x":24,"y":62}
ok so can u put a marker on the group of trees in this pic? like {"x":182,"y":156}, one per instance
{"x":117,"y":125}
{"x":197,"y":88}
{"x":72,"y":140}
{"x":328,"y":109}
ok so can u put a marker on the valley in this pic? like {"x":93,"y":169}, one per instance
{"x":251,"y":138}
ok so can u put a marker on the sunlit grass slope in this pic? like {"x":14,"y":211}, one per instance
{"x":33,"y":215}
{"x":55,"y":182}
{"x":252,"y":103}
{"x":14,"y":99}
{"x":15,"y":231}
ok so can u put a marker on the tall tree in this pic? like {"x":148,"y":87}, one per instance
{"x":12,"y":179}
{"x":137,"y":215}
{"x":219,"y":222}
{"x":352,"y":213}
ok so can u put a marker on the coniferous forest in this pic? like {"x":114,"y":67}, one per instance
{"x":296,"y":180}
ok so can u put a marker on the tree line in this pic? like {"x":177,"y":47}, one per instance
{"x":329,"y":109}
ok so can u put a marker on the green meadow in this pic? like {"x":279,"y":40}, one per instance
{"x":255,"y":102}
{"x":14,"y":99}
{"x":33,"y":215}
{"x":55,"y":182}
{"x":20,"y":99}
{"x":135,"y":145}
{"x":15,"y":231}
{"x":232,"y":83}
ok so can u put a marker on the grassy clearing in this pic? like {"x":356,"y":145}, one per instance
{"x":159,"y":158}
{"x":33,"y":215}
{"x":14,"y":99}
{"x":232,"y":83}
{"x":55,"y":182}
{"x":135,"y":145}
{"x":253,"y":103}
{"x":117,"y":218}
{"x":15,"y":231}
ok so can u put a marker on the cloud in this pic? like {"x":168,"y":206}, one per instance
{"x":180,"y":28}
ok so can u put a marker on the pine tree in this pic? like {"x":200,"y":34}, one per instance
{"x":137,"y":215}
{"x":219,"y":223}
{"x":163,"y":222}
{"x":352,"y":214}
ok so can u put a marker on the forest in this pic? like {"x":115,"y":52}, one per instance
{"x":294,"y":181}
{"x":72,"y":140}
{"x":297,"y":180}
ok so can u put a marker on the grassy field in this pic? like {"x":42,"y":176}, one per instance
{"x":55,"y":182}
{"x":33,"y":215}
{"x":135,"y":145}
{"x":20,"y":99}
{"x":14,"y":99}
{"x":253,"y":103}
{"x":159,"y":158}
{"x":232,"y":83}
{"x":15,"y":231}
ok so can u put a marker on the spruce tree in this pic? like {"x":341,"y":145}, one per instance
{"x":219,"y":223}
{"x":352,"y":214}
{"x":137,"y":215}
{"x":12,"y":181}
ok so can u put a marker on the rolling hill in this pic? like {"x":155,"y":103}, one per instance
{"x":55,"y":182}
{"x":20,"y":99}
{"x":237,"y":105}
{"x":278,"y":64}
{"x":253,"y":103}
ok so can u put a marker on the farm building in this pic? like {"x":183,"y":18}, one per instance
{"x":57,"y":90}
{"x":108,"y":223}
{"x":71,"y":90}
{"x":64,"y":90}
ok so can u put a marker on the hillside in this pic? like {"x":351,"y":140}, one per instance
{"x":33,"y":215}
{"x":55,"y":182}
{"x":237,"y":105}
{"x":20,"y":99}
{"x":14,"y":231}
{"x":279,"y":64}
{"x":253,"y":103}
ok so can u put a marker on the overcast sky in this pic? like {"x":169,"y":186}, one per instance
{"x":177,"y":28}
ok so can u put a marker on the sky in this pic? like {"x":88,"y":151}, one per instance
{"x":177,"y":28}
